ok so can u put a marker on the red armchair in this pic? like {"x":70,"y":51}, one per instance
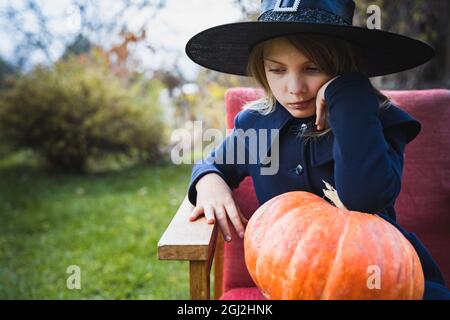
{"x":423,"y":206}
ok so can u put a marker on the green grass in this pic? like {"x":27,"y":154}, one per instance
{"x":107,"y":224}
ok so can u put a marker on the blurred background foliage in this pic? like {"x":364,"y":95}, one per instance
{"x":77,"y":111}
{"x":85,"y":139}
{"x":423,"y":20}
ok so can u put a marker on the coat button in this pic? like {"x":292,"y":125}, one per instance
{"x":299,"y":169}
{"x":303,"y":127}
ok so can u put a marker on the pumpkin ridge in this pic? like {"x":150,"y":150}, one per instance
{"x":412,"y":258}
{"x":267,"y":241}
{"x":405,"y":269}
{"x":300,"y":246}
{"x":337,"y":255}
{"x":332,"y":219}
{"x":402,"y":249}
{"x":377,"y":232}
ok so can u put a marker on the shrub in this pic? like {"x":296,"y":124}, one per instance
{"x":73,"y":112}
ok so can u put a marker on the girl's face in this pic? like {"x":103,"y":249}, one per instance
{"x":292,"y":77}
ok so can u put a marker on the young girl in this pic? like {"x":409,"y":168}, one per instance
{"x":329,"y":123}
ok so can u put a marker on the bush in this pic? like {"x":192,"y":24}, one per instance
{"x":74,"y":112}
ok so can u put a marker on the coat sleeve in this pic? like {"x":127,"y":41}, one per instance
{"x":368,"y":159}
{"x":228,"y":160}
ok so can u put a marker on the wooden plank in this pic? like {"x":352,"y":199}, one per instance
{"x":186,"y":240}
{"x":218,"y":267}
{"x":199,"y":277}
{"x":199,"y":280}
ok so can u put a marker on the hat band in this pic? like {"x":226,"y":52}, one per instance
{"x":306,"y":15}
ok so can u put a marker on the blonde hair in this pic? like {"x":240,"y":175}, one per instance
{"x":333,"y":56}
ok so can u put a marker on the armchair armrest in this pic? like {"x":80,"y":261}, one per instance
{"x":194,"y":241}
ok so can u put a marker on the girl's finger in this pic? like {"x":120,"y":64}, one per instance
{"x":318,"y":115}
{"x":198,"y":211}
{"x":321,"y":120}
{"x":223,"y":223}
{"x":318,"y":110}
{"x":209,"y":214}
{"x":235,"y":218}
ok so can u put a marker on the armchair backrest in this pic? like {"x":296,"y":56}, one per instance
{"x":423,"y":206}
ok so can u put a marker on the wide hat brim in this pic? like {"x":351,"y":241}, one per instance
{"x":226,"y":48}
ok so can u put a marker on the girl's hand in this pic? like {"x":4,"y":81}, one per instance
{"x":215,"y":201}
{"x":321,"y":107}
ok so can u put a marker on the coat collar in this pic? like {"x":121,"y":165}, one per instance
{"x":277,"y":119}
{"x":274,"y":122}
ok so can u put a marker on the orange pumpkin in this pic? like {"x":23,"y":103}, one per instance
{"x":299,"y":246}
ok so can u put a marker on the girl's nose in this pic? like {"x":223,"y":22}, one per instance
{"x":297,"y":85}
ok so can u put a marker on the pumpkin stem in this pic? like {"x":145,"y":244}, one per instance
{"x":332,"y":195}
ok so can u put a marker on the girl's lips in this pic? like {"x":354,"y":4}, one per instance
{"x":301,"y":105}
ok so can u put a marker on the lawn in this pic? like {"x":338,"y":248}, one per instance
{"x":106,"y":224}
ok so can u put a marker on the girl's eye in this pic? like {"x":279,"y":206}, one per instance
{"x":276,"y":70}
{"x":311,"y":69}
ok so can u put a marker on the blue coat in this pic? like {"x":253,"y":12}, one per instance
{"x":362,"y":157}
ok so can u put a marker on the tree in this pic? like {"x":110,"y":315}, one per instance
{"x":80,"y":45}
{"x":424,"y":20}
{"x":30,"y":25}
{"x":5,"y":69}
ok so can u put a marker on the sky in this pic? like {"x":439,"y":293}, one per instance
{"x":182,"y":19}
{"x":171,"y":28}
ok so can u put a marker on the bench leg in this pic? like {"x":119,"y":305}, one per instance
{"x":199,"y":280}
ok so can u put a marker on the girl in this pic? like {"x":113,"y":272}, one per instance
{"x":329,"y":122}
